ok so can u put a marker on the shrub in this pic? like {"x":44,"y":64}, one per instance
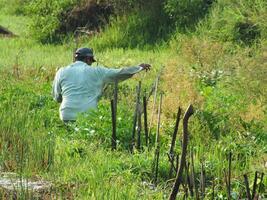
{"x":45,"y":17}
{"x":186,"y":14}
{"x":246,"y":32}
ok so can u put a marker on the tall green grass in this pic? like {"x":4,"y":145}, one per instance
{"x":224,"y":79}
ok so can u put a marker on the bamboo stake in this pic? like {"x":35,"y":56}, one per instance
{"x":229,"y":176}
{"x":145,"y":120}
{"x":178,"y":180}
{"x":171,"y":151}
{"x":172,"y":163}
{"x":157,"y":145}
{"x":247,"y":187}
{"x":139,"y":118}
{"x":113,"y":137}
{"x":138,"y":89}
{"x":154,"y":104}
{"x":260,"y":184}
{"x":190,"y":186}
{"x":115,"y":98}
{"x":254,"y":185}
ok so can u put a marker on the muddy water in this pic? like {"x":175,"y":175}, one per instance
{"x":12,"y":184}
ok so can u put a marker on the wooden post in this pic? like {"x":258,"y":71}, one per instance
{"x":189,"y":181}
{"x":113,"y":137}
{"x":135,"y":116}
{"x":145,"y":120}
{"x":178,"y":180}
{"x":171,"y":151}
{"x":154,"y":104}
{"x":247,"y":187}
{"x":254,"y":185}
{"x":139,"y":117}
{"x":157,"y":145}
{"x":229,"y":176}
{"x":260,"y":184}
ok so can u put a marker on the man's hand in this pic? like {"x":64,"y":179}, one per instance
{"x":145,"y":66}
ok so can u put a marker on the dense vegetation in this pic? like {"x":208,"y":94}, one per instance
{"x":214,"y":53}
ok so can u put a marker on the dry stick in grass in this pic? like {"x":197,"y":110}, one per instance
{"x":145,"y":119}
{"x":226,"y":181}
{"x":157,"y":145}
{"x":138,"y":90}
{"x":172,"y":163}
{"x":189,"y":181}
{"x":139,"y":118}
{"x":202,"y":181}
{"x":247,"y":187}
{"x":113,"y":137}
{"x":154,"y":104}
{"x":178,"y":180}
{"x":260,"y":184}
{"x":254,"y":185}
{"x":229,"y":176}
{"x":171,"y":152}
{"x":193,"y":175}
{"x":114,"y":116}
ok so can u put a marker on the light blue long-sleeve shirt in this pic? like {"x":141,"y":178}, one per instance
{"x":79,"y":86}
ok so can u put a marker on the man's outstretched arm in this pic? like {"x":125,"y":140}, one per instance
{"x":111,"y":75}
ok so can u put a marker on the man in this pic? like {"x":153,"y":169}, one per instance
{"x":78,"y":86}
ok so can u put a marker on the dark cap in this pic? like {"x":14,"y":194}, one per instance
{"x":85,"y":52}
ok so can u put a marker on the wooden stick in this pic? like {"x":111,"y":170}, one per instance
{"x":145,"y":120}
{"x":172,"y":163}
{"x":138,"y":117}
{"x":175,"y":131}
{"x":178,"y":180}
{"x":247,"y":187}
{"x":260,"y":184}
{"x":113,"y":136}
{"x":171,"y":151}
{"x":115,"y":97}
{"x":190,"y":186}
{"x":154,"y":104}
{"x":157,"y":145}
{"x":158,"y":124}
{"x":254,"y":185}
{"x":135,"y":117}
{"x":229,"y":176}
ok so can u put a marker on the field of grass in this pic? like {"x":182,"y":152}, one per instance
{"x":225,"y":82}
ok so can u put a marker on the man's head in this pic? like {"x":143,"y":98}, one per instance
{"x":85,"y":54}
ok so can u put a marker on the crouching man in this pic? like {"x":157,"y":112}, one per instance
{"x":79,"y":86}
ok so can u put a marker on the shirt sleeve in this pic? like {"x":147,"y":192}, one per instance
{"x":112,"y":75}
{"x":56,"y":90}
